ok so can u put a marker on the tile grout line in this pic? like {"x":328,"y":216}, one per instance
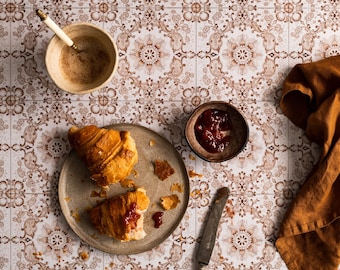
{"x":10,"y":142}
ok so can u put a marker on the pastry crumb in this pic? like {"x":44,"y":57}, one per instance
{"x":194,"y":174}
{"x":75,"y":215}
{"x":37,"y":255}
{"x":230,"y":212}
{"x":134,"y":173}
{"x":170,"y":202}
{"x":128,"y":183}
{"x":111,"y":266}
{"x":163,"y":169}
{"x":176,"y":187}
{"x":84,"y":255}
{"x":152,"y":142}
{"x":94,"y":193}
{"x":195,"y":193}
{"x":192,"y":157}
{"x":103,"y":193}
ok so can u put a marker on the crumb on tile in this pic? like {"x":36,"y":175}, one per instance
{"x":230,"y":212}
{"x":194,"y":193}
{"x":111,"y":266}
{"x":192,"y":157}
{"x":194,"y":174}
{"x":84,"y":255}
{"x":37,"y":255}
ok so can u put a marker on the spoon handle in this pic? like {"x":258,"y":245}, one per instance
{"x":56,"y":29}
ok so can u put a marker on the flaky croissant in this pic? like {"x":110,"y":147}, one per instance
{"x":121,"y":217}
{"x":109,"y":155}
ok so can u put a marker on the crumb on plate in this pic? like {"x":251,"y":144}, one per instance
{"x":127,"y":183}
{"x":176,"y":187}
{"x":75,"y":215}
{"x":163,"y":169}
{"x":152,"y":142}
{"x":170,"y":202}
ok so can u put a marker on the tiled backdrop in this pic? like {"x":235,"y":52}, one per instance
{"x":174,"y":56}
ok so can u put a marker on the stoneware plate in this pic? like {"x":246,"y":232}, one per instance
{"x":75,"y":188}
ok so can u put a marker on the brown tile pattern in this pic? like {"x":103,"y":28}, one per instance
{"x":174,"y":55}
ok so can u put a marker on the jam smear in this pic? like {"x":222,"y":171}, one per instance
{"x":131,"y":216}
{"x":213,"y":130}
{"x":157,"y":217}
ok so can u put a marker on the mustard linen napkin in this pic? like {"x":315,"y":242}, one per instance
{"x":309,"y":236}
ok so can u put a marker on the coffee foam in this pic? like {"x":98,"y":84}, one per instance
{"x":86,"y":65}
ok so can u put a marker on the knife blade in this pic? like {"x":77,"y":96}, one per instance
{"x":208,"y":239}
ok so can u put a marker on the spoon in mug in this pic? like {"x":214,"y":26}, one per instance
{"x":56,"y":29}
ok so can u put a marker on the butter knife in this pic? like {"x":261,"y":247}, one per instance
{"x":209,"y":234}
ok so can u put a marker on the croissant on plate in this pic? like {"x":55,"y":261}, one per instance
{"x":121,"y":217}
{"x":109,"y":155}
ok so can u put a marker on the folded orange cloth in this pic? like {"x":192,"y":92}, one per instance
{"x":309,"y":236}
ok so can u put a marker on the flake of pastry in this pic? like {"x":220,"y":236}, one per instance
{"x":127,"y":183}
{"x":194,"y":174}
{"x":152,"y":142}
{"x":84,"y":255}
{"x":163,"y":169}
{"x":170,"y":202}
{"x":75,"y":215}
{"x":176,"y":187}
{"x":192,"y":157}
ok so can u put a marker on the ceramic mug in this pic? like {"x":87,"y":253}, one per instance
{"x":86,"y":69}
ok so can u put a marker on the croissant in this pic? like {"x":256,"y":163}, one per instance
{"x":121,"y":217}
{"x":109,"y":155}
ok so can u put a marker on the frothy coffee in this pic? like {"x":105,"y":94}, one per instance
{"x":86,"y":65}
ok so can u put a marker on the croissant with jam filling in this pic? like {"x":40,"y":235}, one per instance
{"x":121,"y":217}
{"x":109,"y":155}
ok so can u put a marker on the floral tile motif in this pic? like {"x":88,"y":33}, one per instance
{"x":240,"y":56}
{"x":313,"y":36}
{"x":155,"y":59}
{"x":173,"y":56}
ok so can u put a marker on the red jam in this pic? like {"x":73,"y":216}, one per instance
{"x":157,"y":217}
{"x":213,"y":129}
{"x":131,"y":216}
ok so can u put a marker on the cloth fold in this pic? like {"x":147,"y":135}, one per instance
{"x":309,"y":236}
